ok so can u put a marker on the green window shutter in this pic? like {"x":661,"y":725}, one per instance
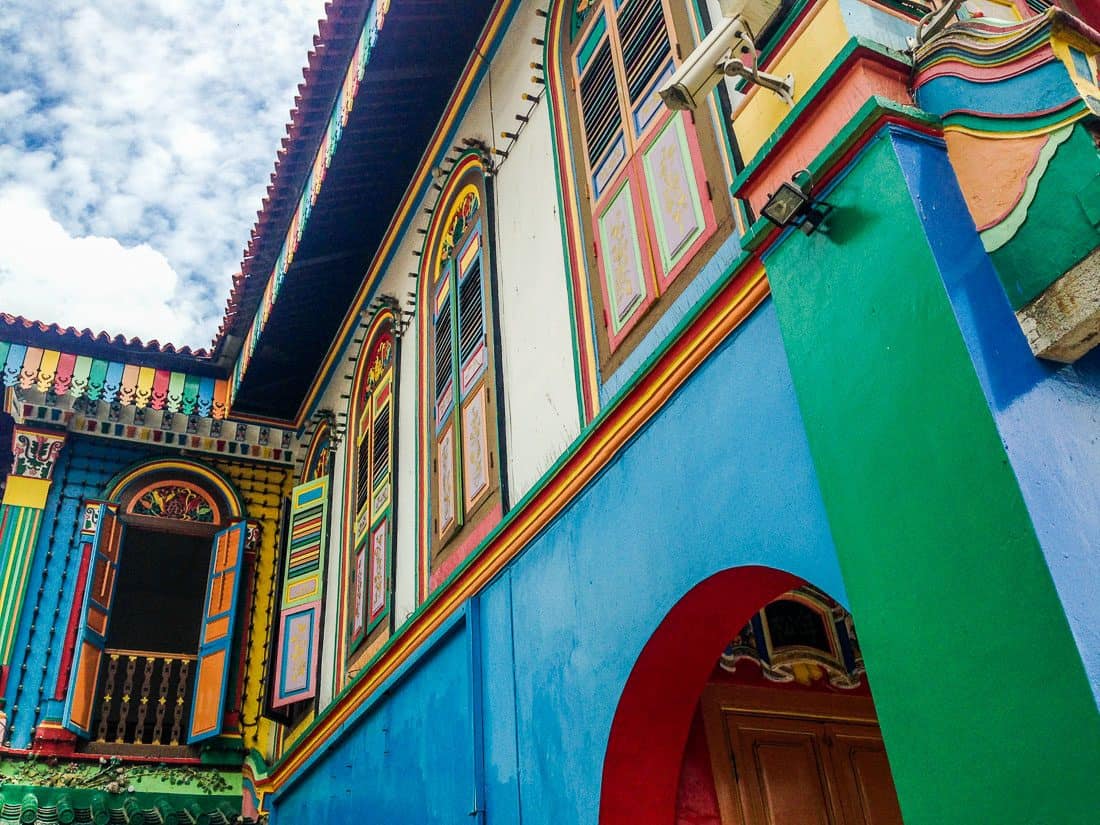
{"x":297,"y":653}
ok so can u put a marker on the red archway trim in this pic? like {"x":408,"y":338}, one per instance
{"x":641,"y":770}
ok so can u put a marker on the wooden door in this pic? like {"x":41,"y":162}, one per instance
{"x":784,"y":759}
{"x":783,"y":771}
{"x":865,"y":786}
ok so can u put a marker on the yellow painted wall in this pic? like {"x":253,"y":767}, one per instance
{"x":263,"y":489}
{"x":820,"y":37}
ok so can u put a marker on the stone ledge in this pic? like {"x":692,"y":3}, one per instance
{"x":1063,"y":323}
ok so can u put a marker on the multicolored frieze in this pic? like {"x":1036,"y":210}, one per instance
{"x":80,"y":376}
{"x":206,"y":435}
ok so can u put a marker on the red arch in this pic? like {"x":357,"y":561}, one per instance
{"x":641,"y":770}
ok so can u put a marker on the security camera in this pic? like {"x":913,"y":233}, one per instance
{"x":722,"y":54}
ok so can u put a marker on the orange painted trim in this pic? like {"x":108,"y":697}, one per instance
{"x":608,"y":437}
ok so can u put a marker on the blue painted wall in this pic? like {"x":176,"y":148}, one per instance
{"x":406,"y":758}
{"x":720,"y":478}
{"x":1048,"y":414}
{"x":82,"y":471}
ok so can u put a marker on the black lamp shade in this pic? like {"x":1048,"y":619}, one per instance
{"x":785,"y":205}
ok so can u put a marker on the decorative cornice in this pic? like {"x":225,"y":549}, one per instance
{"x":229,"y":439}
{"x":311,"y":189}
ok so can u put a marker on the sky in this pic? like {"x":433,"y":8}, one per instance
{"x":136,"y":144}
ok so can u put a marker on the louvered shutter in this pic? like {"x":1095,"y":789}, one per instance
{"x":299,"y":625}
{"x":647,"y":58}
{"x":473,"y":365}
{"x":370,"y":561}
{"x":668,"y":165}
{"x":375,"y":568}
{"x":447,"y":515}
{"x":215,"y":658}
{"x":601,"y":112}
{"x":101,"y":537}
{"x":649,"y":212}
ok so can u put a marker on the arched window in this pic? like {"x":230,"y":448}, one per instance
{"x":166,"y":554}
{"x":459,"y":397}
{"x":369,"y":489}
{"x":646,"y":185}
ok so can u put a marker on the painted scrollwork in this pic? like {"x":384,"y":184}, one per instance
{"x":35,"y":453}
{"x":175,"y":501}
{"x":803,"y":636}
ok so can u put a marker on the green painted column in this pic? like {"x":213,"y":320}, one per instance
{"x":35,"y":455}
{"x":985,"y":707}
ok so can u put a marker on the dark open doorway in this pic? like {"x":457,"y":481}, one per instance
{"x":161,"y":587}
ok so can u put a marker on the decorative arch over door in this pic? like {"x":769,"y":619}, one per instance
{"x":759,"y":676}
{"x":651,"y":724}
{"x":193,"y":503}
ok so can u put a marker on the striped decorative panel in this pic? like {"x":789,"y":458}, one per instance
{"x":300,"y":605}
{"x":65,"y":374}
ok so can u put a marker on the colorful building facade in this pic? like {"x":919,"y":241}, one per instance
{"x":536,"y":474}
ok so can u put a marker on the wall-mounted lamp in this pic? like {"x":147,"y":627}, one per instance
{"x":792,"y":201}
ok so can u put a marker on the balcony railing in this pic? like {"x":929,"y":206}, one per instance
{"x":144,"y":697}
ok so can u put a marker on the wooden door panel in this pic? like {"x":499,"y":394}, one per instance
{"x":866,"y":787}
{"x":782,"y":770}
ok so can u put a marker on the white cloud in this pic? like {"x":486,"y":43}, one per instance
{"x":136,"y":141}
{"x":47,"y":273}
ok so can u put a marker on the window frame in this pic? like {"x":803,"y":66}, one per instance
{"x":458,"y":248}
{"x":370,"y":530}
{"x":663,"y":276}
{"x":226,"y":516}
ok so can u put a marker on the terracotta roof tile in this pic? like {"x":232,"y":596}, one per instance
{"x":72,"y":334}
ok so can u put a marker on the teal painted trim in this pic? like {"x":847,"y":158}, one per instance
{"x":868,"y":115}
{"x":341,"y":352}
{"x":794,"y":116}
{"x":590,"y":43}
{"x":997,"y":236}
